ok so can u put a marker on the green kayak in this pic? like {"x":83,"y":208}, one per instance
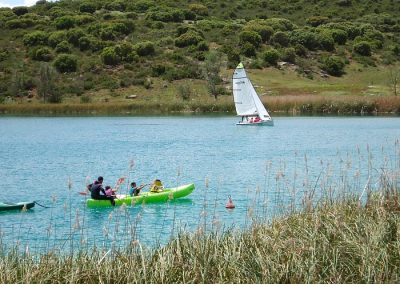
{"x":16,"y":206}
{"x":145,"y":197}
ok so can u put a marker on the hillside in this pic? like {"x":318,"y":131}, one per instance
{"x":88,"y":51}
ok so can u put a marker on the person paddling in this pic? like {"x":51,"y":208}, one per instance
{"x":95,"y":190}
{"x":135,"y":190}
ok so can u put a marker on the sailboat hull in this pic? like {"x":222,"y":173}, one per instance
{"x":258,"y":123}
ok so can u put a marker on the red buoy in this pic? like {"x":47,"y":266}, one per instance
{"x":230,"y":204}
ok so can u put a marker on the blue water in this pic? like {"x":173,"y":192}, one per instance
{"x":50,"y":160}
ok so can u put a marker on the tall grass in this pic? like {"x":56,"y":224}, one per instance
{"x":339,"y":230}
{"x":290,"y":104}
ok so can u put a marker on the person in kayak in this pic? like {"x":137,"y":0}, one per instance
{"x":156,"y":186}
{"x":95,"y":190}
{"x":135,"y":190}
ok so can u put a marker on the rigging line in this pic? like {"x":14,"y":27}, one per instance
{"x":43,"y":205}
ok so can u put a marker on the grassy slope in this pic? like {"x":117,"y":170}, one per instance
{"x":358,"y":79}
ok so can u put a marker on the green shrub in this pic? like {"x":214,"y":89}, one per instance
{"x":339,"y":36}
{"x":326,"y":41}
{"x":57,"y":37}
{"x":109,"y":56}
{"x":85,"y":99}
{"x":271,"y":56}
{"x":41,"y":54}
{"x":20,"y":23}
{"x":35,"y":38}
{"x":19,"y":11}
{"x":66,"y":63}
{"x":305,"y":38}
{"x":85,"y":43}
{"x":141,"y":6}
{"x":185,"y":92}
{"x":145,"y":48}
{"x":188,"y":38}
{"x":263,"y":30}
{"x":65,"y":22}
{"x":250,"y":37}
{"x":333,"y":65}
{"x":73,"y":35}
{"x":115,"y":6}
{"x":84,"y":19}
{"x":363,"y":48}
{"x":108,"y":33}
{"x":202,"y":46}
{"x":289,"y":55}
{"x":280,"y":39}
{"x":199,"y":9}
{"x":280,"y":24}
{"x":248,"y":50}
{"x":87,"y":7}
{"x":63,"y":47}
{"x":316,"y":21}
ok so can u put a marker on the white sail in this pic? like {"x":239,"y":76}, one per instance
{"x":247,"y":102}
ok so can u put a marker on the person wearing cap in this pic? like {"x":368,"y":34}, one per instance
{"x":97,"y":188}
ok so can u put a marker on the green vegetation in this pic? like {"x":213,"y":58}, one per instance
{"x":120,"y":45}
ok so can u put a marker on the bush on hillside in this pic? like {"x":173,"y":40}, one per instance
{"x":141,"y":6}
{"x":363,"y":48}
{"x":316,"y":21}
{"x":333,"y":65}
{"x":19,"y":11}
{"x":280,"y":24}
{"x":280,"y":39}
{"x":41,"y":54}
{"x":326,"y":41}
{"x":188,"y":38}
{"x":288,"y":55}
{"x":271,"y":57}
{"x":63,"y":47}
{"x":35,"y":38}
{"x":87,"y":7}
{"x":73,"y":35}
{"x":250,"y":37}
{"x":20,"y":23}
{"x":85,"y":43}
{"x":66,"y":63}
{"x":339,"y":36}
{"x":305,"y":38}
{"x":264,"y":31}
{"x":198,"y":9}
{"x":145,"y":48}
{"x":247,"y":49}
{"x":109,"y":56}
{"x":65,"y":22}
{"x":57,"y":37}
{"x":115,"y":6}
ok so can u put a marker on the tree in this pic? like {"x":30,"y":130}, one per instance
{"x":212,"y":66}
{"x":394,"y":80}
{"x":46,"y":86}
{"x":66,"y":63}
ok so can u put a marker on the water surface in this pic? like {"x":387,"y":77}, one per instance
{"x":51,"y":159}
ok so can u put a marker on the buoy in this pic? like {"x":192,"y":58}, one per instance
{"x":230,"y":204}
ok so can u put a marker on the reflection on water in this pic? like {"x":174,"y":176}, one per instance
{"x":266,"y":170}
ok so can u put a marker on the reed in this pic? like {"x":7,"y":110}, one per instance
{"x":288,"y":104}
{"x":343,"y":232}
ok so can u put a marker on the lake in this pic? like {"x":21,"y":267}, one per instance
{"x":266,"y":170}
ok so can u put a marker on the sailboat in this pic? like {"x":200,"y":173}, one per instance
{"x":248,"y":105}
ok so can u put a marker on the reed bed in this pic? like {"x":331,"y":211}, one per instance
{"x":289,"y":104}
{"x":346,"y":234}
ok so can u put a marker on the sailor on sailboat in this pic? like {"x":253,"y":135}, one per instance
{"x":248,"y":104}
